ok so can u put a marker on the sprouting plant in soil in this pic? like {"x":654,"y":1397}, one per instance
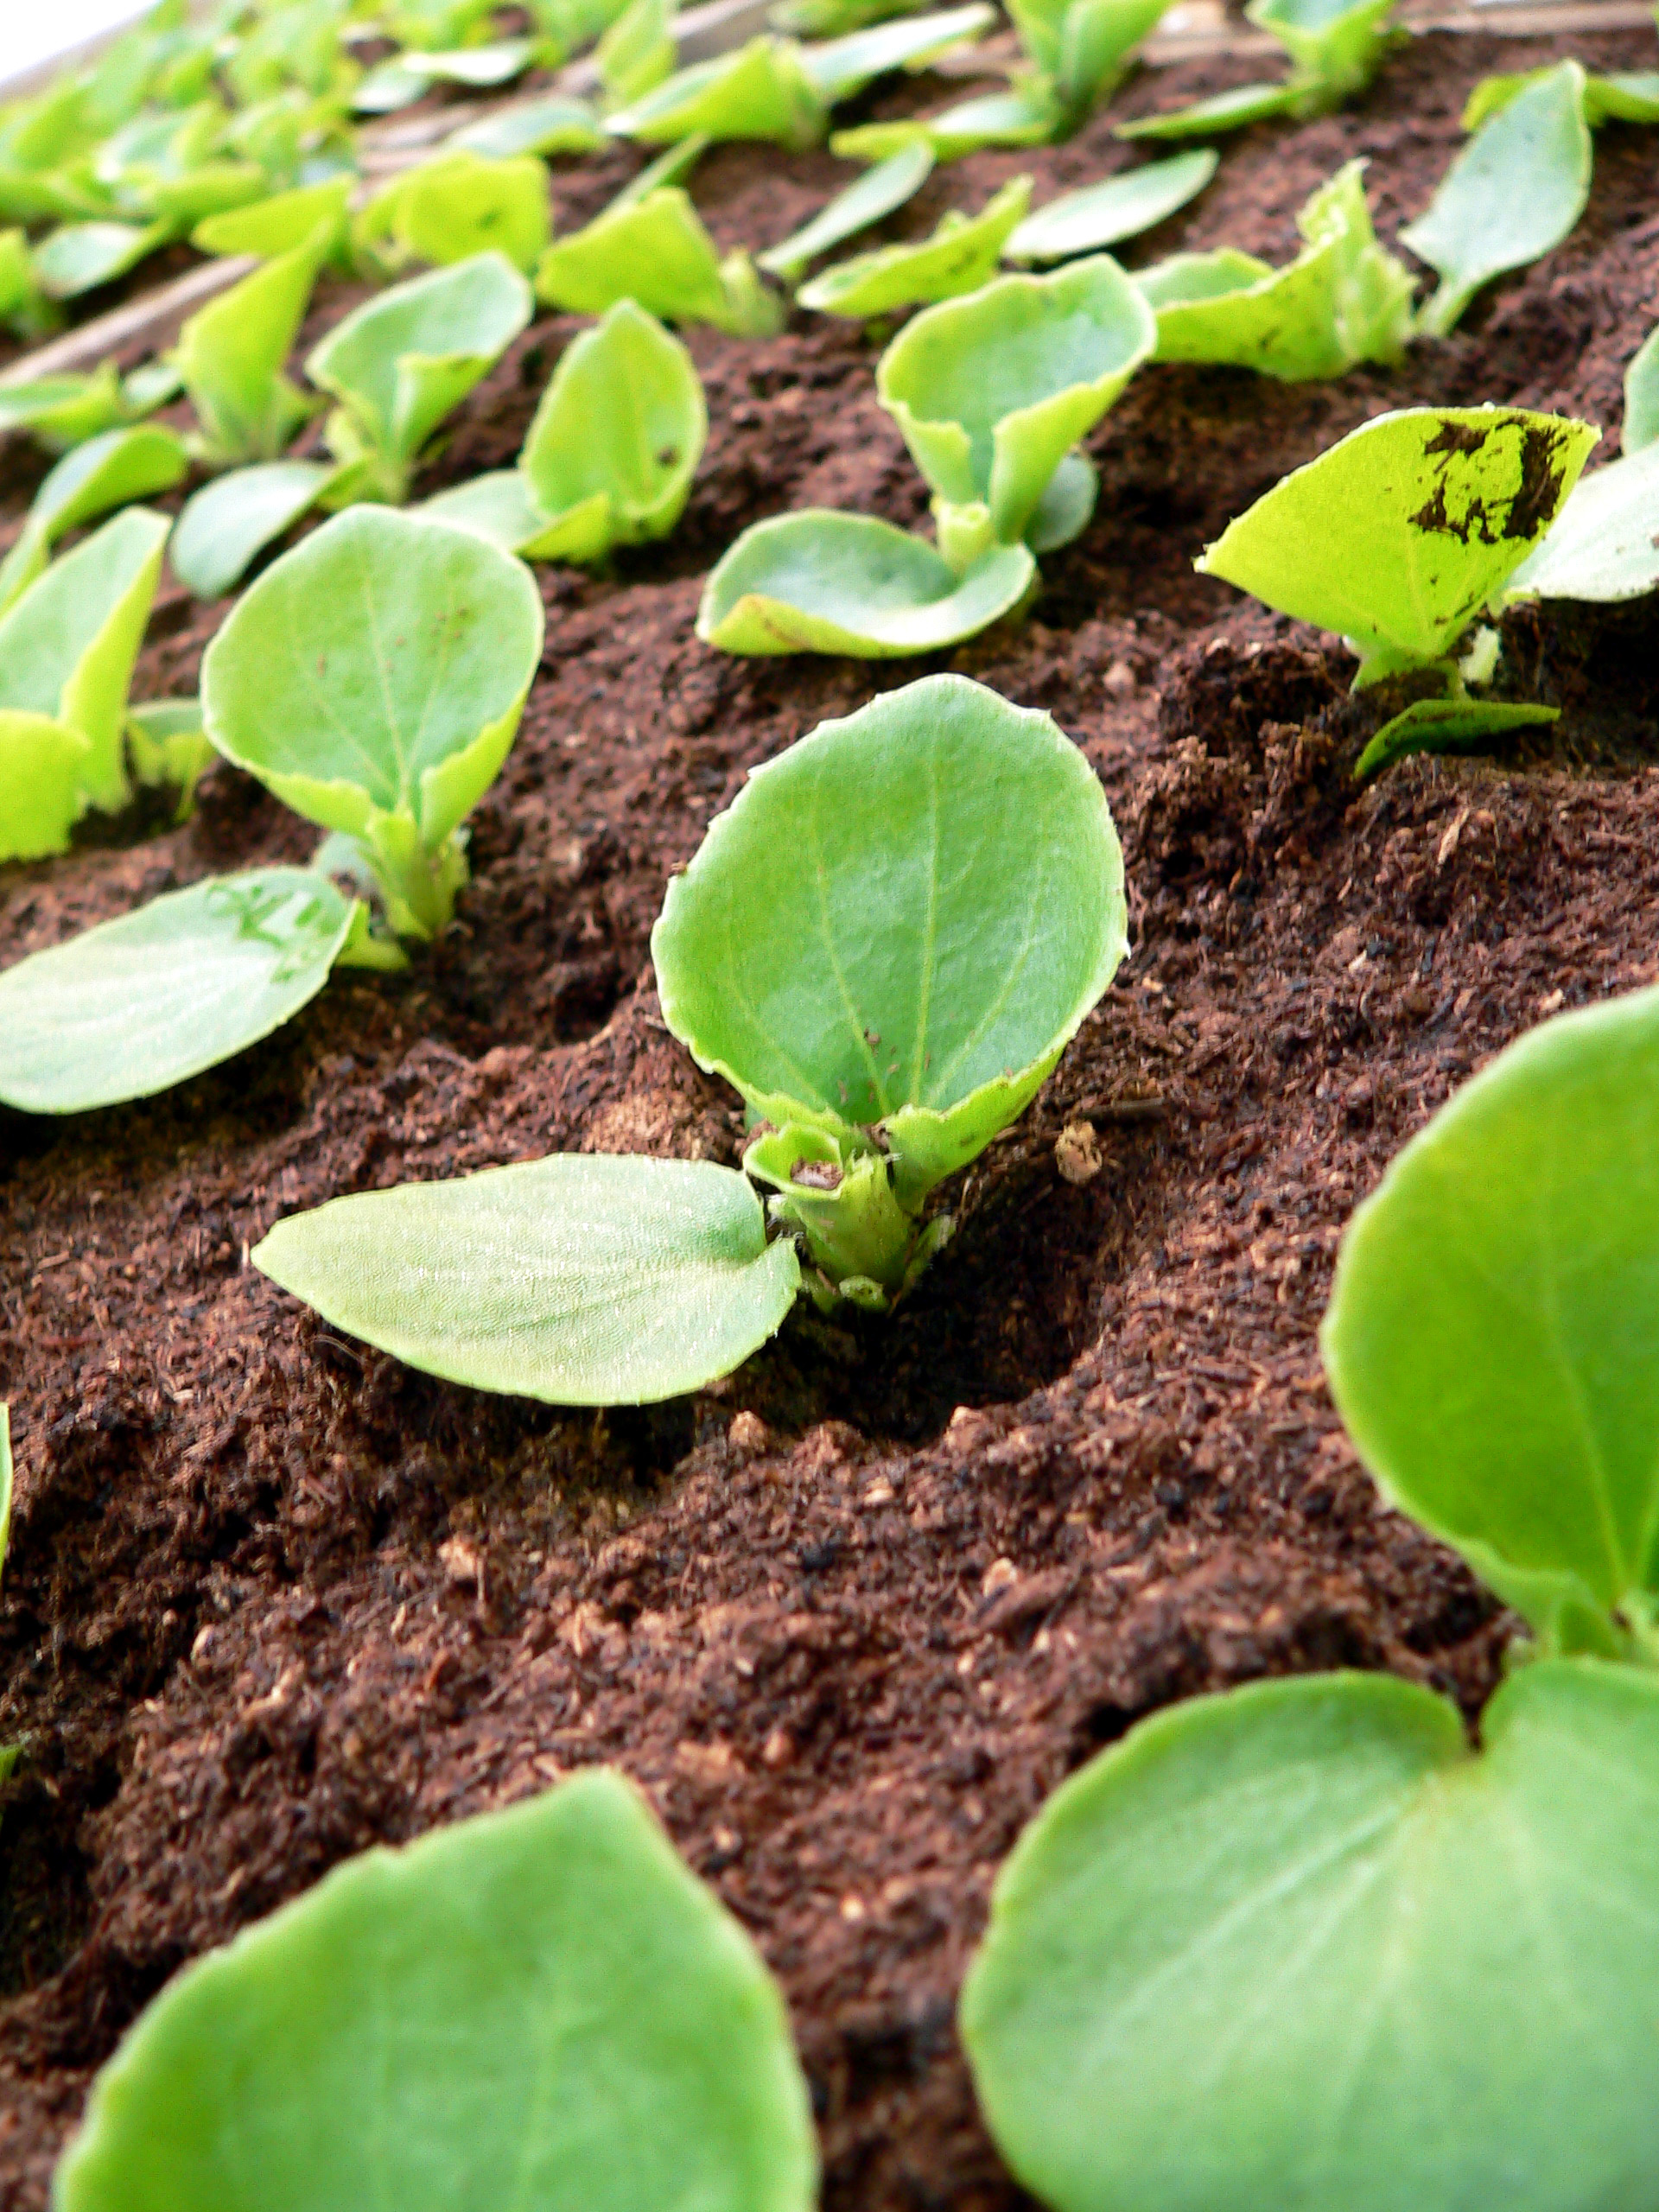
{"x":961,"y":255}
{"x":608,"y":459}
{"x":655,"y":250}
{"x":1400,"y":537}
{"x":541,"y":2005}
{"x":1079,"y":51}
{"x":60,"y":411}
{"x":1121,"y":207}
{"x":884,"y":1012}
{"x":111,"y":470}
{"x":1335,"y":48}
{"x":1492,"y":1343}
{"x":458,"y":204}
{"x":992,"y":393}
{"x":232,"y":353}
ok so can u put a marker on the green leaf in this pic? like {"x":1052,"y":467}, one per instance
{"x":1101,"y":214}
{"x":478,"y":68}
{"x":68,"y":644}
{"x":108,"y":470}
{"x":672,"y":166}
{"x":845,"y":66}
{"x":867,"y":200}
{"x":816,"y":582}
{"x":1510,"y":196}
{"x":584,"y":1280}
{"x":498,"y":506}
{"x":656,"y":251}
{"x":231,"y":355}
{"x":227,"y":522}
{"x":557,"y":124}
{"x":1228,"y":111}
{"x":960,"y":256}
{"x":60,"y":411}
{"x":169,"y":748}
{"x":1082,"y":47}
{"x":1337,"y":46}
{"x":23,"y":307}
{"x":902,"y":920}
{"x":990,"y":392}
{"x":1399,"y":534}
{"x":1016,"y":118}
{"x":759,"y":92}
{"x":373,"y":678}
{"x":1343,"y":300}
{"x":82,"y":256}
{"x":1492,"y":1333}
{"x":1630,"y":96}
{"x":622,"y":420}
{"x":459,"y":204}
{"x":281,"y":222}
{"x":1247,"y":1957}
{"x":637,"y":51}
{"x":137,"y":1005}
{"x":387,"y":87}
{"x":1447,"y":726}
{"x":402,"y":361}
{"x":1641,"y":394}
{"x":1602,"y":545}
{"x":534,"y":2007}
{"x":41,"y":764}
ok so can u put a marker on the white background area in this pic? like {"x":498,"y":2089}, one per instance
{"x":32,"y":31}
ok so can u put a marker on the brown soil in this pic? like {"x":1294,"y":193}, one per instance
{"x":849,"y":1616}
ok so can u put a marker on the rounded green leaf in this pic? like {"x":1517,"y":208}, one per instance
{"x":479,"y":66}
{"x":540,"y":2008}
{"x":598,"y":1280}
{"x":223,"y":524}
{"x":1402,"y":532}
{"x":960,"y":256}
{"x":81,"y":256}
{"x":498,"y":506}
{"x":375,"y":675}
{"x":137,"y":1005}
{"x":878,"y":192}
{"x":1447,"y":726}
{"x":1493,"y":1341}
{"x":1511,"y":196}
{"x":556,"y":124}
{"x":461,"y":203}
{"x":41,"y":763}
{"x":903,"y":919}
{"x":60,"y":411}
{"x":108,"y":470}
{"x":759,"y":92}
{"x":1602,"y":544}
{"x":990,"y":392}
{"x":842,"y":66}
{"x":816,"y":582}
{"x":1022,"y":118}
{"x":278,"y":223}
{"x":653,"y":251}
{"x":1124,"y":206}
{"x":403,"y":359}
{"x":624,"y":417}
{"x":1228,"y":111}
{"x":1249,"y":1957}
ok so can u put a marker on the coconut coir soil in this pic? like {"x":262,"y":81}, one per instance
{"x":850,"y":1615}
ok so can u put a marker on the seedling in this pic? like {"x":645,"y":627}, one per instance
{"x":992,"y":392}
{"x":558,"y":124}
{"x":373,"y":678}
{"x":819,"y":581}
{"x":1335,"y":48}
{"x":1511,"y":196}
{"x":231,"y":356}
{"x":58,"y":412}
{"x":637,"y":51}
{"x":66,"y":651}
{"x":458,"y":204}
{"x":140,"y":1004}
{"x":399,"y":363}
{"x":868,"y":200}
{"x":24,"y":307}
{"x":1344,"y":299}
{"x":108,"y":470}
{"x":655,"y":250}
{"x":960,"y":256}
{"x":1400,"y":536}
{"x":541,"y":2006}
{"x":81,"y":257}
{"x":410,"y":75}
{"x":610,"y":456}
{"x":1103,"y":215}
{"x":1331,"y":1844}
{"x":282,"y":222}
{"x":1082,"y":50}
{"x":1015,"y":118}
{"x":168,"y":746}
{"x":886,"y":1009}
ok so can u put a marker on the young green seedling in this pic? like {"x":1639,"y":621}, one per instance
{"x":886,"y":1008}
{"x":1400,"y":536}
{"x":540,"y":2007}
{"x":282,"y":222}
{"x":656,"y":251}
{"x":1632,"y":96}
{"x":992,"y":392}
{"x":231,"y":356}
{"x":410,"y":75}
{"x":109,"y":471}
{"x":138,"y":1004}
{"x":60,"y":411}
{"x":81,"y":257}
{"x":168,"y":746}
{"x":819,"y":581}
{"x":373,"y":678}
{"x":24,"y":309}
{"x":1013,"y":118}
{"x":960,"y":256}
{"x":561,"y":124}
{"x":1082,"y":50}
{"x":66,"y":651}
{"x":457,"y":204}
{"x":1246,"y":1957}
{"x":637,"y":51}
{"x":1510,"y":196}
{"x":1103,"y":215}
{"x":877,"y":194}
{"x":399,"y":363}
{"x":1335,"y":48}
{"x":1344,"y":299}
{"x":610,"y":456}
